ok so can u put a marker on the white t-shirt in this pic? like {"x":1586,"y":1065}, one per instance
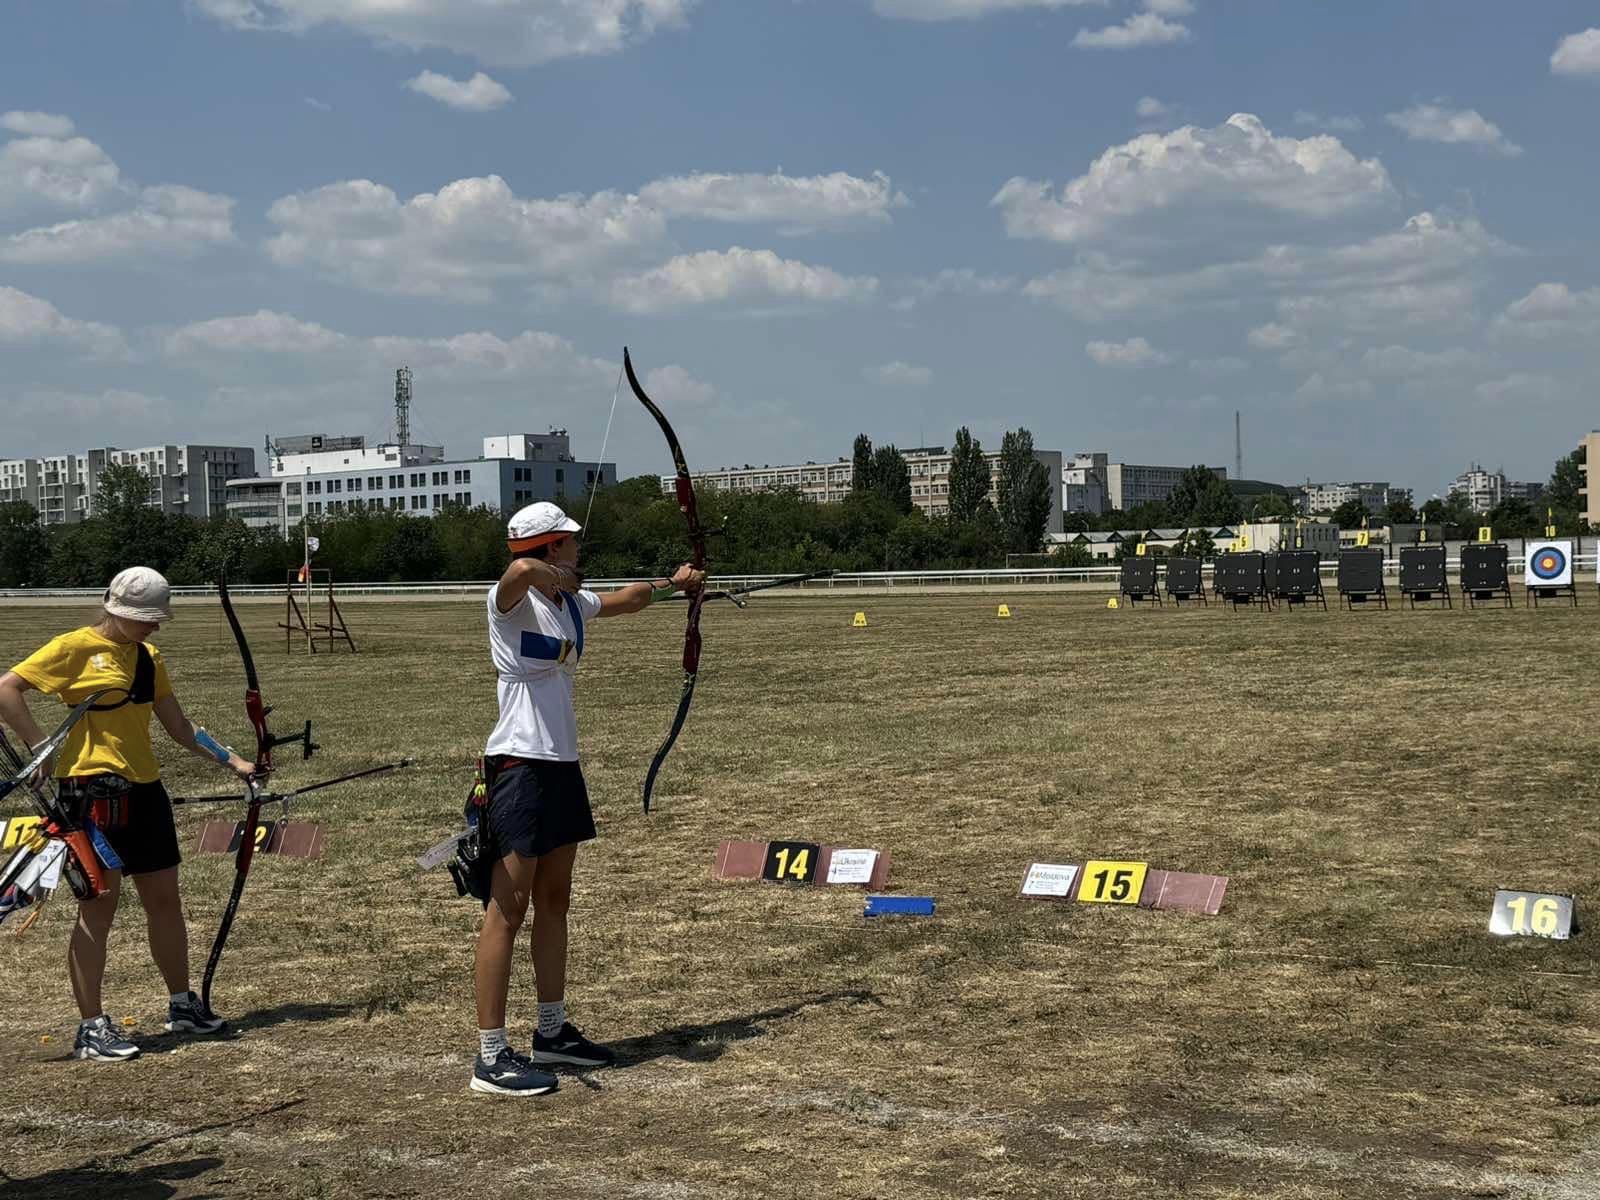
{"x":536,"y":647}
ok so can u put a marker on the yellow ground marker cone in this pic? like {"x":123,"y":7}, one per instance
{"x":129,"y":1022}
{"x":1005,"y":611}
{"x":1112,"y":603}
{"x":860,"y":622}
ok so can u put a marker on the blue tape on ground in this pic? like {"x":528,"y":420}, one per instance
{"x":899,"y":906}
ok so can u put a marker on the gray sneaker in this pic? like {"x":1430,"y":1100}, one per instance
{"x":99,"y":1041}
{"x":190,"y":1016}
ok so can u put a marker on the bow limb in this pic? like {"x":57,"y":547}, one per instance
{"x":257,"y":712}
{"x":689,"y":506}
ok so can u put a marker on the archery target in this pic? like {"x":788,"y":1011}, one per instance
{"x":1549,"y":564}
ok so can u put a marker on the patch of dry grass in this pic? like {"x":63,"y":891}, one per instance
{"x":1345,"y":1028}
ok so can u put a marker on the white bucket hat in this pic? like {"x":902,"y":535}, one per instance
{"x":139,"y":594}
{"x":538,"y":525}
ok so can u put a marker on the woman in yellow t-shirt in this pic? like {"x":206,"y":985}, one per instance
{"x":107,"y":770}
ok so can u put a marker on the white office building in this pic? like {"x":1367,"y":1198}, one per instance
{"x":1486,"y":489}
{"x":514,"y":470}
{"x":1374,"y":497}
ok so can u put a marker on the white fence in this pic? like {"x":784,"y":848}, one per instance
{"x":1584,"y":566}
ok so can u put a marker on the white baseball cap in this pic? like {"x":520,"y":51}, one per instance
{"x":538,"y":525}
{"x":139,"y":594}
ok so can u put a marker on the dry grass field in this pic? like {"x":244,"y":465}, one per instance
{"x":1345,"y":1028}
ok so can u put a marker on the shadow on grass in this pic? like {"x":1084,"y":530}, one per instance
{"x":156,"y":1182}
{"x":266,"y":1018}
{"x":709,"y":1041}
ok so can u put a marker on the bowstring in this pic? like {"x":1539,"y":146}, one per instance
{"x":604,"y":441}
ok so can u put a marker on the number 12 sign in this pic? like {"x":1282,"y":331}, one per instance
{"x":1105,"y":882}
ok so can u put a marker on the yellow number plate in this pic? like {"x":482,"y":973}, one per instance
{"x":18,"y":830}
{"x":1106,"y":882}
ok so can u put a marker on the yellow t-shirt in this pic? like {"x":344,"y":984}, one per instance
{"x":117,"y":741}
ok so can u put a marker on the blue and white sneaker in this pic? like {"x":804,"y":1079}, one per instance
{"x":571,"y":1048}
{"x":99,"y":1041}
{"x":190,"y":1016}
{"x":511,"y":1074}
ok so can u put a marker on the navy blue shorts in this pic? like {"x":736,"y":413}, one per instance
{"x":536,"y":806}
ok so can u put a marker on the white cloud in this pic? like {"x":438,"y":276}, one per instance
{"x":1227,"y":364}
{"x":1403,"y":361}
{"x":264,"y":332}
{"x":899,"y":374}
{"x":113,"y":411}
{"x":675,"y":388}
{"x":1140,"y":29}
{"x":48,"y":172}
{"x":953,"y":281}
{"x":169,"y":220}
{"x":1236,"y":166}
{"x":1133,"y":353}
{"x":1578,"y":54}
{"x":516,"y":33}
{"x":1453,"y":126}
{"x":1519,"y":388}
{"x":1336,"y":124}
{"x":1320,"y":387}
{"x":1272,"y":336}
{"x":462,"y":242}
{"x":1550,"y":311}
{"x":1170,"y":8}
{"x":319,"y":105}
{"x":798,"y":204}
{"x":37,"y":124}
{"x":736,"y":274}
{"x":27,"y":320}
{"x":1151,"y":109}
{"x":951,"y":10}
{"x":1427,"y":273}
{"x":478,"y":94}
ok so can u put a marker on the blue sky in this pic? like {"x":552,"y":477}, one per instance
{"x":1367,"y":226}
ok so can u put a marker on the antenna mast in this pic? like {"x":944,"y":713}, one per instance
{"x":1238,"y":448}
{"x":402,"y":406}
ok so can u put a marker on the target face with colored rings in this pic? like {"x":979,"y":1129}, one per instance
{"x":1550,"y":563}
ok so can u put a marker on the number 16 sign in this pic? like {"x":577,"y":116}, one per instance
{"x":1531,"y":914}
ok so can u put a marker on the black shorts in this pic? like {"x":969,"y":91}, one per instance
{"x":142,"y":831}
{"x":536,"y":806}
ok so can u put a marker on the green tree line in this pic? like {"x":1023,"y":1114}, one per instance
{"x":634,"y":529}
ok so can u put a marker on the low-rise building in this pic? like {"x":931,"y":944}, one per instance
{"x":514,"y":470}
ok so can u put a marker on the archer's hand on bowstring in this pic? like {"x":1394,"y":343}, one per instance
{"x":688,"y":579}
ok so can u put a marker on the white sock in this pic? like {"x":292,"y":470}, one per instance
{"x":491,"y":1042}
{"x":178,"y":998}
{"x":552,"y":1017}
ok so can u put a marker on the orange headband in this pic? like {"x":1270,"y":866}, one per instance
{"x":523,"y":545}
